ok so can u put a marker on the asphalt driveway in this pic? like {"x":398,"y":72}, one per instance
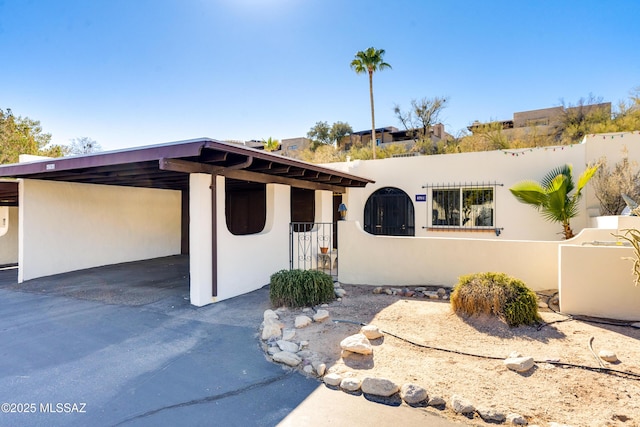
{"x":88,"y":355}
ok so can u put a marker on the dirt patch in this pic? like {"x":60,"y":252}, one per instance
{"x":547,"y":393}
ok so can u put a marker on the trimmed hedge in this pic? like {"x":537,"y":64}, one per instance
{"x":495,"y":294}
{"x":300,"y":288}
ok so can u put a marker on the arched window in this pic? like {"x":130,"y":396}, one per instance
{"x":389,"y":212}
{"x":245,"y":206}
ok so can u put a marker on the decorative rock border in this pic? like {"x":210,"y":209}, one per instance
{"x":281,"y":348}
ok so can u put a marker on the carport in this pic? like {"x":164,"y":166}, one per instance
{"x":156,"y":201}
{"x":8,"y":223}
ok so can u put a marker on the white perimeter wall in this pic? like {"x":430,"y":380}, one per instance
{"x":404,"y":261}
{"x":597,"y":280}
{"x":8,"y":235}
{"x":68,"y":226}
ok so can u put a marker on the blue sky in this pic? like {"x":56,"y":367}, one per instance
{"x":138,"y":72}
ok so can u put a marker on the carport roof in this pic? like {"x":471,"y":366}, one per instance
{"x":167,"y":166}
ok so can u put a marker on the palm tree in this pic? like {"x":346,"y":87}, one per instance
{"x":552,"y":195}
{"x":370,"y":61}
{"x":271,"y":144}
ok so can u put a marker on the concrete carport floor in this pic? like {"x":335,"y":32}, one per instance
{"x":69,"y":357}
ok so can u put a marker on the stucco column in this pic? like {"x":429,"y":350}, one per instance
{"x":201,"y":261}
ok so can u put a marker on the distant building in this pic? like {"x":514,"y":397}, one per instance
{"x":392,"y":135}
{"x":546,"y":121}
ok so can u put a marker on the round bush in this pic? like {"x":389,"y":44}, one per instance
{"x":495,"y":294}
{"x":300,"y":288}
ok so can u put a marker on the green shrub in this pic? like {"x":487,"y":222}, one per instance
{"x":300,"y":288}
{"x":495,"y":294}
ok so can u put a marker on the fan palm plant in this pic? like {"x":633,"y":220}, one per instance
{"x":553,"y":196}
{"x":370,"y":61}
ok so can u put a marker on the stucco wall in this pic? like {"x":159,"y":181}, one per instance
{"x":597,"y":281}
{"x":8,"y":235}
{"x":244,"y":263}
{"x":68,"y":226}
{"x":403,"y":261}
{"x":518,"y":221}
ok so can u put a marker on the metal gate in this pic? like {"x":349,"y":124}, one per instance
{"x":313,"y":246}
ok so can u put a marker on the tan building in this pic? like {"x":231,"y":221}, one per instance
{"x":545,"y":121}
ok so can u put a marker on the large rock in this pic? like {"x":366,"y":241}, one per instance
{"x":371,"y":332}
{"x":287,"y":358}
{"x":332,"y":379}
{"x":461,"y":405}
{"x":288,"y":334}
{"x":302,"y":321}
{"x":321,"y":316}
{"x":357,"y":343}
{"x":436,"y":401}
{"x":270,"y":314}
{"x":413,"y":394}
{"x":350,"y":384}
{"x":379,"y":386}
{"x":519,"y":364}
{"x":289,"y":346}
{"x":491,"y":415}
{"x":340,"y":293}
{"x":271,"y":328}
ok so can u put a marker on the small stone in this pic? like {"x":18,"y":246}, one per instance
{"x":514,"y":354}
{"x":302,"y":321}
{"x":306,"y":354}
{"x":270,"y":314}
{"x":516,"y":419}
{"x":431,"y":295}
{"x":289,"y":346}
{"x":288,"y":334}
{"x":442,"y":292}
{"x":304,"y":344}
{"x":436,"y":401}
{"x":287,"y":358}
{"x":371,"y":332}
{"x":273,"y":350}
{"x":338,"y":299}
{"x":409,"y":293}
{"x":350,"y":384}
{"x":340,"y":293}
{"x":271,"y":328}
{"x":461,"y":405}
{"x":308,"y":369}
{"x":337,"y":285}
{"x":420,"y":289}
{"x":357,"y":343}
{"x":306,"y":309}
{"x":396,"y":291}
{"x":388,"y":291}
{"x":608,"y":356}
{"x":319,"y":367}
{"x":321,"y":316}
{"x":377,"y":290}
{"x":325,"y":305}
{"x":491,"y":415}
{"x":332,"y":379}
{"x":519,"y":364}
{"x":542,"y":304}
{"x":636,"y":325}
{"x":413,"y":394}
{"x":379,"y":386}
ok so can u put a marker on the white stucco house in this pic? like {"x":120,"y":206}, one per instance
{"x":421,"y":220}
